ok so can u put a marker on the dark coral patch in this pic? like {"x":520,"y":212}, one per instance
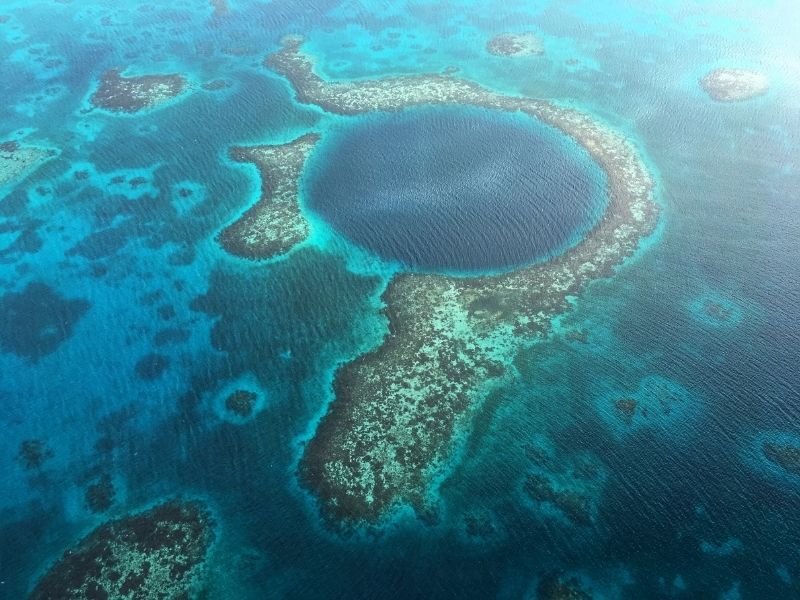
{"x":99,"y":495}
{"x":241,"y":403}
{"x":154,"y":554}
{"x":151,"y":366}
{"x":574,"y":506}
{"x":786,"y":456}
{"x":626,"y":408}
{"x":555,"y":586}
{"x":34,"y":453}
{"x":171,"y":335}
{"x":36,"y":321}
{"x":216,"y":85}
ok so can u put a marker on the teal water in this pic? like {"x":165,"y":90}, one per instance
{"x":684,"y":503}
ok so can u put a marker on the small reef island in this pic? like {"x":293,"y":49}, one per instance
{"x":399,"y":410}
{"x":734,"y":85}
{"x":17,"y":161}
{"x":515,"y":44}
{"x":274,"y":224}
{"x":158,"y":553}
{"x":118,"y":93}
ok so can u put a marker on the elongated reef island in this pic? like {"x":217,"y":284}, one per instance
{"x":400,"y":409}
{"x":275,"y":223}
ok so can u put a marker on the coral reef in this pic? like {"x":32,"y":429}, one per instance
{"x":564,"y":484}
{"x":515,"y":44}
{"x":99,"y":495}
{"x":241,"y":403}
{"x":786,"y":456}
{"x":154,"y":554}
{"x":274,"y":224}
{"x":479,"y":525}
{"x":17,"y":161}
{"x":120,"y":94}
{"x":216,"y":85}
{"x":556,"y":586}
{"x":220,"y":7}
{"x":657,"y":403}
{"x":717,"y":311}
{"x":398,"y":409}
{"x":36,"y":321}
{"x":34,"y":453}
{"x":574,"y":506}
{"x":626,"y":408}
{"x":734,"y":85}
{"x":151,"y":366}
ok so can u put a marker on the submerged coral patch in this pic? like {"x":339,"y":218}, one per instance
{"x":100,"y":494}
{"x":775,"y":455}
{"x":34,"y":453}
{"x":658,"y":403}
{"x":154,"y":554}
{"x":561,"y":586}
{"x":151,"y":366}
{"x":238,"y":401}
{"x":565,"y":486}
{"x":784,"y":455}
{"x":36,"y":321}
{"x":716,"y":310}
{"x":515,"y":44}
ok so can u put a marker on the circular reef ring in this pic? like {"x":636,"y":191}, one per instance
{"x":450,"y":337}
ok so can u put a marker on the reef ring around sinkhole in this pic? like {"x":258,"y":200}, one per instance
{"x":399,"y":412}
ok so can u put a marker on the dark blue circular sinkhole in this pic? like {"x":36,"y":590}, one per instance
{"x":455,"y":189}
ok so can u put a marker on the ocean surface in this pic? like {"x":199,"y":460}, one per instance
{"x":125,"y":324}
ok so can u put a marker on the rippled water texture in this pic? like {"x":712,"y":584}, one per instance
{"x":645,"y":447}
{"x":455,"y":189}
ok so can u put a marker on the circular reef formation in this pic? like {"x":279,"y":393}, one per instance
{"x":154,"y":554}
{"x":455,"y":188}
{"x":734,"y":85}
{"x":399,"y":410}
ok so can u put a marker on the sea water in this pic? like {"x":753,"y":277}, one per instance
{"x":684,"y":502}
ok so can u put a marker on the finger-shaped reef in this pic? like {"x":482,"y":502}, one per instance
{"x":120,"y":94}
{"x":275,"y":223}
{"x":154,"y":554}
{"x":400,"y":409}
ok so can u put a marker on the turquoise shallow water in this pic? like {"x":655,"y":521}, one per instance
{"x":684,"y":503}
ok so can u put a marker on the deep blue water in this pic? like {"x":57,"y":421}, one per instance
{"x":96,"y":277}
{"x":455,"y":189}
